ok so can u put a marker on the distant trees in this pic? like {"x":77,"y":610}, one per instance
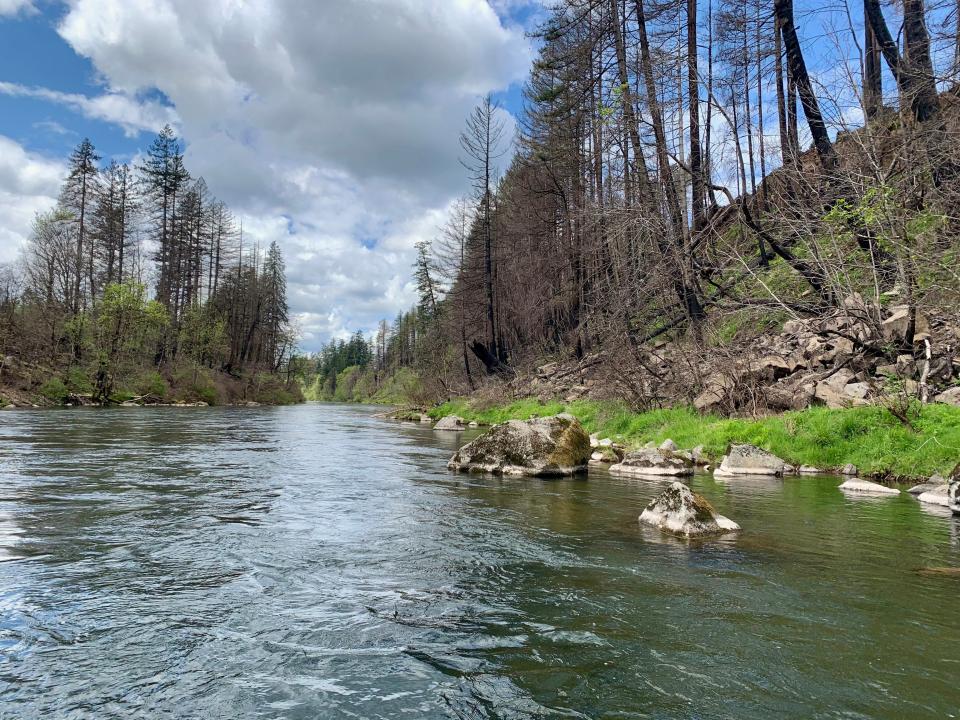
{"x":84,"y":300}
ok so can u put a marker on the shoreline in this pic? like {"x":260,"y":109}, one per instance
{"x":880,"y":446}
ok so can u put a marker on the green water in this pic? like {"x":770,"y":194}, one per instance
{"x":315,"y":562}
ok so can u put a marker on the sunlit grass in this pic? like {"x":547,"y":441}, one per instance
{"x":869,"y":437}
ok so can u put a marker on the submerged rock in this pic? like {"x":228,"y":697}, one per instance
{"x":542,"y":447}
{"x":749,"y":460}
{"x":653,"y":462}
{"x":452,"y":423}
{"x":868,"y":487}
{"x":680,"y":511}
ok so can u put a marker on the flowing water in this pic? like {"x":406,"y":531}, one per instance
{"x":316,"y":562}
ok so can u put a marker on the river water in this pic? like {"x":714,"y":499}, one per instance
{"x":316,"y":562}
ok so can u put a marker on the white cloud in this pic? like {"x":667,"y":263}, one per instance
{"x":330,"y":126}
{"x":120,"y":109}
{"x":12,"y":7}
{"x":29,"y":184}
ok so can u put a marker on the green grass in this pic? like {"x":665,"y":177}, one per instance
{"x":869,"y":437}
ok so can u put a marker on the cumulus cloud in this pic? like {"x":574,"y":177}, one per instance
{"x":29,"y":184}
{"x":330,"y":126}
{"x":120,"y":109}
{"x":12,"y":7}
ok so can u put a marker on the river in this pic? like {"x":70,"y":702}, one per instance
{"x":317,"y":562}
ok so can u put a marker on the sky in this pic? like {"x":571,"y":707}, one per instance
{"x":330,"y":126}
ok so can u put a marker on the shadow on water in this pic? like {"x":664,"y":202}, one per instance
{"x":315,"y":561}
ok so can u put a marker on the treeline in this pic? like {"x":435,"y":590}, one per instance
{"x":681,"y":161}
{"x":139,"y":280}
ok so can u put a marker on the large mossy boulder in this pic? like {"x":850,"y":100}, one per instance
{"x":680,"y":511}
{"x":653,"y":462}
{"x":542,"y":447}
{"x":749,"y":460}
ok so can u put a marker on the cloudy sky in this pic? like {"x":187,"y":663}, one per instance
{"x":329,"y":125}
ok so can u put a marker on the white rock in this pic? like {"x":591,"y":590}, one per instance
{"x":605,"y":442}
{"x":451,"y":423}
{"x":809,"y":470}
{"x":648,"y":462}
{"x":680,"y":511}
{"x":749,"y":460}
{"x":868,"y":487}
{"x":937,"y":496}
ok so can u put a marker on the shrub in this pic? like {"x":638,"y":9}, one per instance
{"x":152,"y":383}
{"x":55,"y":390}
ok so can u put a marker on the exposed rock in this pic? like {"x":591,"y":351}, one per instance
{"x":11,"y":406}
{"x":668,"y":445}
{"x":474,"y":424}
{"x":949,"y":397}
{"x":452,"y":423}
{"x":425,"y":419}
{"x":542,"y":447}
{"x":937,"y":496}
{"x":680,"y":511}
{"x":809,"y":470}
{"x":867,"y":487}
{"x":697,"y":455}
{"x":849,"y":470}
{"x":607,"y":455}
{"x":932,"y":484}
{"x":594,"y":440}
{"x":953,"y":490}
{"x":749,"y":460}
{"x":605,"y":442}
{"x":653,"y":462}
{"x":895,"y":327}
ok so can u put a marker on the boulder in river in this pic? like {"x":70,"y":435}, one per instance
{"x":452,"y":423}
{"x":542,"y":447}
{"x":932,"y":484}
{"x":680,"y":511}
{"x":867,"y":487}
{"x":653,"y":462}
{"x":749,"y":460}
{"x":937,"y":496}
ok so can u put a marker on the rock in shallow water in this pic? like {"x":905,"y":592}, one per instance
{"x":542,"y":447}
{"x":452,"y":423}
{"x":749,"y":460}
{"x":680,"y":511}
{"x":653,"y":462}
{"x":868,"y":488}
{"x":936,"y":496}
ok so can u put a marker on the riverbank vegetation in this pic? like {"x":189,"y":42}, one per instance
{"x":868,"y":437}
{"x":694,"y":216}
{"x":138,"y":287}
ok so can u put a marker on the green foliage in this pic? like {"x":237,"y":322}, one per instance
{"x":869,"y":437}
{"x":55,"y":390}
{"x":153,"y":384}
{"x":194,"y":383}
{"x":78,"y":381}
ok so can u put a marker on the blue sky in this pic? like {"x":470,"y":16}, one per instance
{"x":320,"y":124}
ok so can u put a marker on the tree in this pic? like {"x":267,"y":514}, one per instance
{"x":482,"y":143}
{"x":77,"y":192}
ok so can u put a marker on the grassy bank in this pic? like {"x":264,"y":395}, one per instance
{"x":869,"y":437}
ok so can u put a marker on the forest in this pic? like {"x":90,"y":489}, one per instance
{"x":739,"y":205}
{"x":138,"y":288}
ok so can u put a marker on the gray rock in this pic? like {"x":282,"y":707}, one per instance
{"x":668,"y":445}
{"x":647,"y":462}
{"x":697,"y":455}
{"x":849,"y":470}
{"x":949,"y":397}
{"x":680,"y":511}
{"x":953,"y":490}
{"x":932,"y":484}
{"x":868,"y":488}
{"x":542,"y":447}
{"x":809,"y":470}
{"x":937,"y":496}
{"x":11,"y":406}
{"x":749,"y":460}
{"x":451,"y":423}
